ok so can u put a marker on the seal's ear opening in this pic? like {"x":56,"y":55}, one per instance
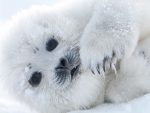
{"x":51,"y":44}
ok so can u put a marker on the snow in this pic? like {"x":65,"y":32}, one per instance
{"x":139,"y":105}
{"x":9,"y":105}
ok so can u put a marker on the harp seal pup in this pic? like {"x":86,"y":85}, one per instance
{"x":47,"y":54}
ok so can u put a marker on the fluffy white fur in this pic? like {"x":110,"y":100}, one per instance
{"x":102,"y":29}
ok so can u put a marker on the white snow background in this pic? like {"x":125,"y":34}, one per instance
{"x":9,"y":105}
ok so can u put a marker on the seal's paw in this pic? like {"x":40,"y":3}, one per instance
{"x":98,"y":61}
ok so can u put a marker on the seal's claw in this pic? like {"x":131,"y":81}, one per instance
{"x":92,"y":71}
{"x":98,"y":70}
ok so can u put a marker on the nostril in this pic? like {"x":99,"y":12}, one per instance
{"x":63,"y":62}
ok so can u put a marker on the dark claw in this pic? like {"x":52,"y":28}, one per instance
{"x":104,"y":67}
{"x":110,"y":61}
{"x":104,"y":61}
{"x":98,"y":72}
{"x":98,"y":69}
{"x":92,"y":71}
{"x":113,"y":54}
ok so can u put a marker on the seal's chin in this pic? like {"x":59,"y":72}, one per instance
{"x":74,"y":72}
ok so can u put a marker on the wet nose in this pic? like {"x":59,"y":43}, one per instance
{"x":63,"y":63}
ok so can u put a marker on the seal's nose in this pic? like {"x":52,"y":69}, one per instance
{"x":63,"y":63}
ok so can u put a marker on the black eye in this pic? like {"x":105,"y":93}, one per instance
{"x":35,"y":79}
{"x":51,"y":44}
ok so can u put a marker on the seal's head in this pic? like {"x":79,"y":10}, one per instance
{"x":41,"y":63}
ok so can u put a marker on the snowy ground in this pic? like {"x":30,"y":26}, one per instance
{"x":140,"y":105}
{"x":8,"y":105}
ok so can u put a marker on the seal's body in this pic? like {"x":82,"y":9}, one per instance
{"x":45,"y":52}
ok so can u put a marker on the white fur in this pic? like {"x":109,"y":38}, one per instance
{"x":99,"y":28}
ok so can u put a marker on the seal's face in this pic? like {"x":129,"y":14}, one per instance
{"x":58,"y":70}
{"x":41,"y":63}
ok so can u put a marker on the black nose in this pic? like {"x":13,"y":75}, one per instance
{"x":63,"y":64}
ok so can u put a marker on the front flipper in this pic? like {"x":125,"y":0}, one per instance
{"x":111,"y":34}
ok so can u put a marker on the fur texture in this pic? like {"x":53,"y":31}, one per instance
{"x":93,"y":35}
